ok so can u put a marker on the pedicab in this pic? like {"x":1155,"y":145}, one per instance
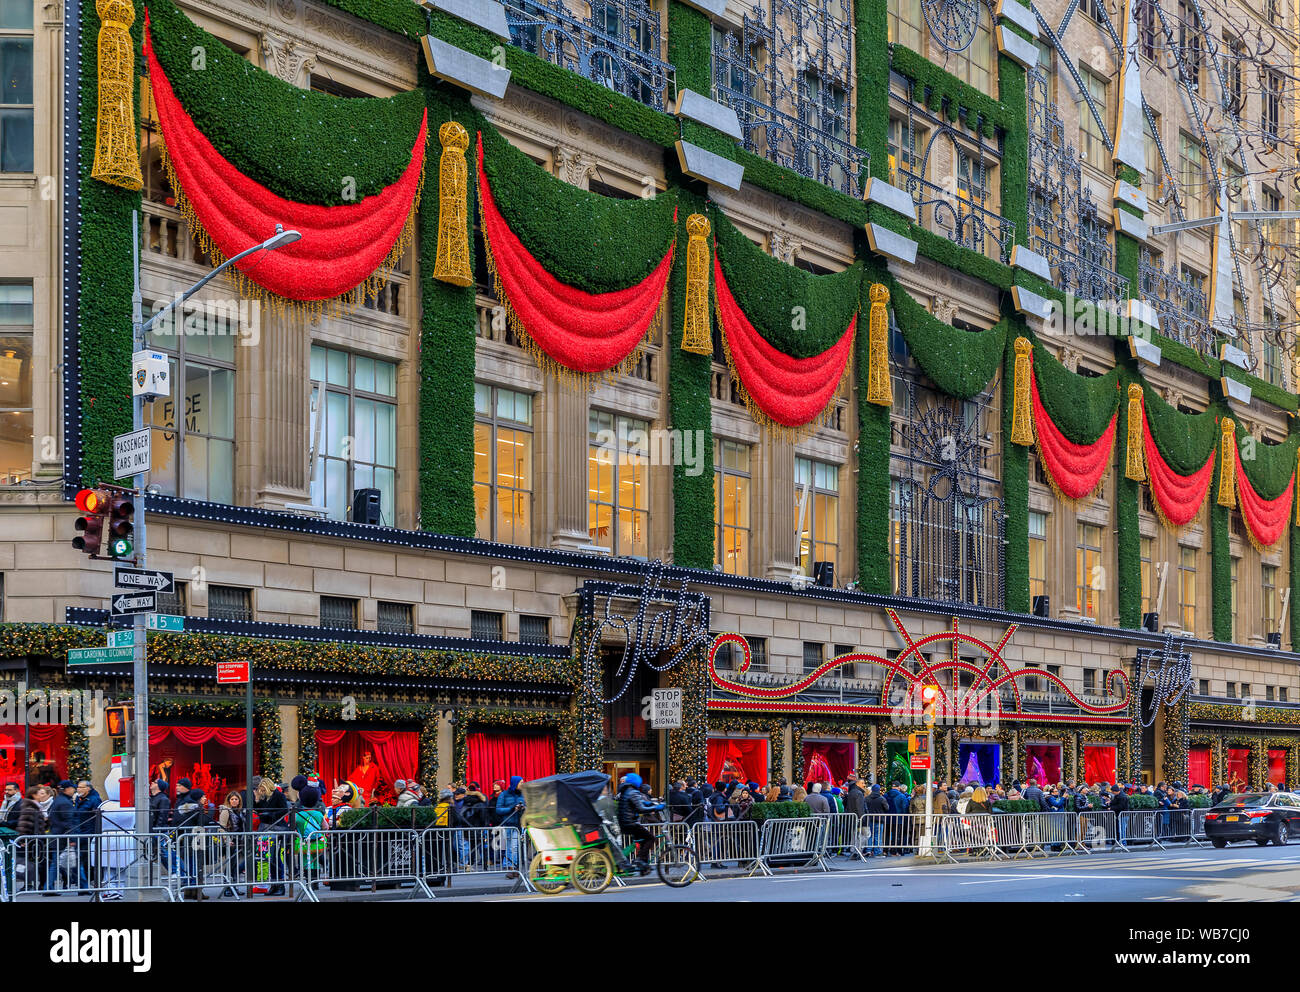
{"x":576,"y":845}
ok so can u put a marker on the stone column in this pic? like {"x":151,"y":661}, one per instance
{"x":776,"y":519}
{"x":273,"y":463}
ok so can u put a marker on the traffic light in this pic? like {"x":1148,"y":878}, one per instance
{"x":929,"y":696}
{"x":120,"y":526}
{"x":119,"y":719}
{"x":93,"y":503}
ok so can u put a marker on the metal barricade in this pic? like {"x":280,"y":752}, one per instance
{"x":1137,"y":826}
{"x":972,"y":835}
{"x":1054,"y":833}
{"x":1198,"y":823}
{"x":373,"y":859}
{"x":798,"y":842}
{"x":1098,"y":829}
{"x":1012,"y":834}
{"x":98,"y":867}
{"x":726,"y":840}
{"x":1176,"y":827}
{"x":6,"y":883}
{"x":210,"y":863}
{"x":889,"y":834}
{"x":843,"y":835}
{"x":447,"y":853}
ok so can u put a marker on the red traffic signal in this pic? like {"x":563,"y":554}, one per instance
{"x":929,"y":696}
{"x":92,"y":500}
{"x":94,"y":504}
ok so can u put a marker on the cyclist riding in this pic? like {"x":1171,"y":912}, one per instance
{"x":631,"y":804}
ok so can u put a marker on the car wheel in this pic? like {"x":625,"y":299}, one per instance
{"x":1281,"y":839}
{"x":1218,"y":842}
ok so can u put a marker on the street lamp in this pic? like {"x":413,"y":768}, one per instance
{"x":139,"y":328}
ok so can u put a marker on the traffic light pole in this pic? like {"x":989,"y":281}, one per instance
{"x":140,"y":673}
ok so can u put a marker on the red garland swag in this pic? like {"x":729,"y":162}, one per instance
{"x":1266,"y":519}
{"x":1178,"y":497}
{"x":790,"y":391}
{"x":1076,"y":470}
{"x":587,"y":333}
{"x":341,"y":246}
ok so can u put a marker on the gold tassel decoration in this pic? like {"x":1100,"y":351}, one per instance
{"x":1227,"y":463}
{"x":453,"y":263}
{"x":1133,"y":467}
{"x":880,"y":390}
{"x":1022,"y":427}
{"x":117,"y":149}
{"x":696,"y":336}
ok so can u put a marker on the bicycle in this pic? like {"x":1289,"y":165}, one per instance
{"x":585,"y":861}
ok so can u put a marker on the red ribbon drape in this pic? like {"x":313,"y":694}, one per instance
{"x":738,"y":758}
{"x":1075,"y":469}
{"x":791,"y":391}
{"x":341,"y":246}
{"x":1277,"y":766}
{"x":194,"y":736}
{"x":495,"y":755}
{"x":396,"y":754}
{"x":1198,"y":767}
{"x":1099,"y":763}
{"x":1266,"y":519}
{"x":584,"y":332}
{"x":1179,"y":497}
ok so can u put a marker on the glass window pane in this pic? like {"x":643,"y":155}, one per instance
{"x":221,"y":420}
{"x":363,"y":430}
{"x":221,"y":342}
{"x":15,"y":371}
{"x":385,"y":378}
{"x":336,"y":423}
{"x":483,"y":454}
{"x":15,"y":305}
{"x":15,"y":447}
{"x":336,"y":363}
{"x":364,"y":377}
{"x":336,"y":488}
{"x":524,"y":408}
{"x":17,"y":14}
{"x":506,"y":404}
{"x":16,"y":70}
{"x":162,"y":451}
{"x":385,"y":434}
{"x":221,"y":471}
{"x":385,"y":480}
{"x":195,"y":475}
{"x":195,"y":400}
{"x":802,"y":471}
{"x":17,"y":140}
{"x":317,"y":362}
{"x":482,"y":399}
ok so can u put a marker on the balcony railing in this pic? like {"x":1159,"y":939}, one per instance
{"x":1180,"y":302}
{"x":1085,"y":278}
{"x":616,"y":45}
{"x":798,"y":145}
{"x":959,"y":218}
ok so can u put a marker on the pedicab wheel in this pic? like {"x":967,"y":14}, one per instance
{"x":677,"y":866}
{"x":544,"y":878}
{"x":592,"y":871}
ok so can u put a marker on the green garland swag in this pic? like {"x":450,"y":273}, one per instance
{"x":312,"y":713}
{"x":193,"y":650}
{"x":688,"y":754}
{"x":1128,"y":542}
{"x":944,"y":92}
{"x":796,"y":312}
{"x":690,"y":408}
{"x":1080,"y":407}
{"x":874,"y":495}
{"x":305,"y":146}
{"x":397,"y":16}
{"x":1015,"y":147}
{"x":1220,"y":546}
{"x":1184,"y":440}
{"x":871,"y":21}
{"x":960,"y":363}
{"x":266,"y":723}
{"x":104,"y":300}
{"x":1015,"y":483}
{"x":1270,"y":471}
{"x":593,"y":242}
{"x":78,"y":744}
{"x":448,"y":317}
{"x":495,"y":719}
{"x":1261,"y":390}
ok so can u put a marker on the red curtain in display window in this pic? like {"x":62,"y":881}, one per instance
{"x":1043,"y":764}
{"x":495,"y":755}
{"x":827,"y":761}
{"x":396,"y":755}
{"x":1277,"y":766}
{"x":1100,"y":762}
{"x":1199,"y":767}
{"x":50,"y":741}
{"x":737,"y":759}
{"x":1239,"y":765}
{"x":212,"y":758}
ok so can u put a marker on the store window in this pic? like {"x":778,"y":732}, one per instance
{"x":1271,"y":604}
{"x":17,"y":106}
{"x":1037,"y":555}
{"x":194,"y":428}
{"x":1088,"y":571}
{"x":731,"y":488}
{"x":503,"y":464}
{"x":356,"y":441}
{"x":618,"y":464}
{"x":16,"y":324}
{"x":1187,"y":589}
{"x":816,"y":505}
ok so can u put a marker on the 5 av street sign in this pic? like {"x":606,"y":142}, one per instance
{"x":128,"y":604}
{"x":143,"y":578}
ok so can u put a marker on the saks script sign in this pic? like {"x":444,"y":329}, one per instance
{"x":663,"y":620}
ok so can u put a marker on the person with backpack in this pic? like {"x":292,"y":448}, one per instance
{"x":509,"y":811}
{"x":309,"y":826}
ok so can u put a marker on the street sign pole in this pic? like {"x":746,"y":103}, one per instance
{"x":140,"y":675}
{"x":929,"y":794}
{"x":248,"y":762}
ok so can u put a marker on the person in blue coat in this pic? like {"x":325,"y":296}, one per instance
{"x":64,"y":822}
{"x":509,"y":811}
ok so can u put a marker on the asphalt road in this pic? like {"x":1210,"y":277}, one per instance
{"x":1236,"y":873}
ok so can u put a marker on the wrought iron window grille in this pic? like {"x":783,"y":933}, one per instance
{"x":1180,"y":302}
{"x":616,"y":43}
{"x":794,"y":99}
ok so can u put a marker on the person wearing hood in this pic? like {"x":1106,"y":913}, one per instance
{"x":405,"y":797}
{"x":509,"y":812}
{"x":632,"y":804}
{"x":191,"y":809}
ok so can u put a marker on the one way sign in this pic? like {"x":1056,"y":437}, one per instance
{"x":143,"y":578}
{"x":127,"y":604}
